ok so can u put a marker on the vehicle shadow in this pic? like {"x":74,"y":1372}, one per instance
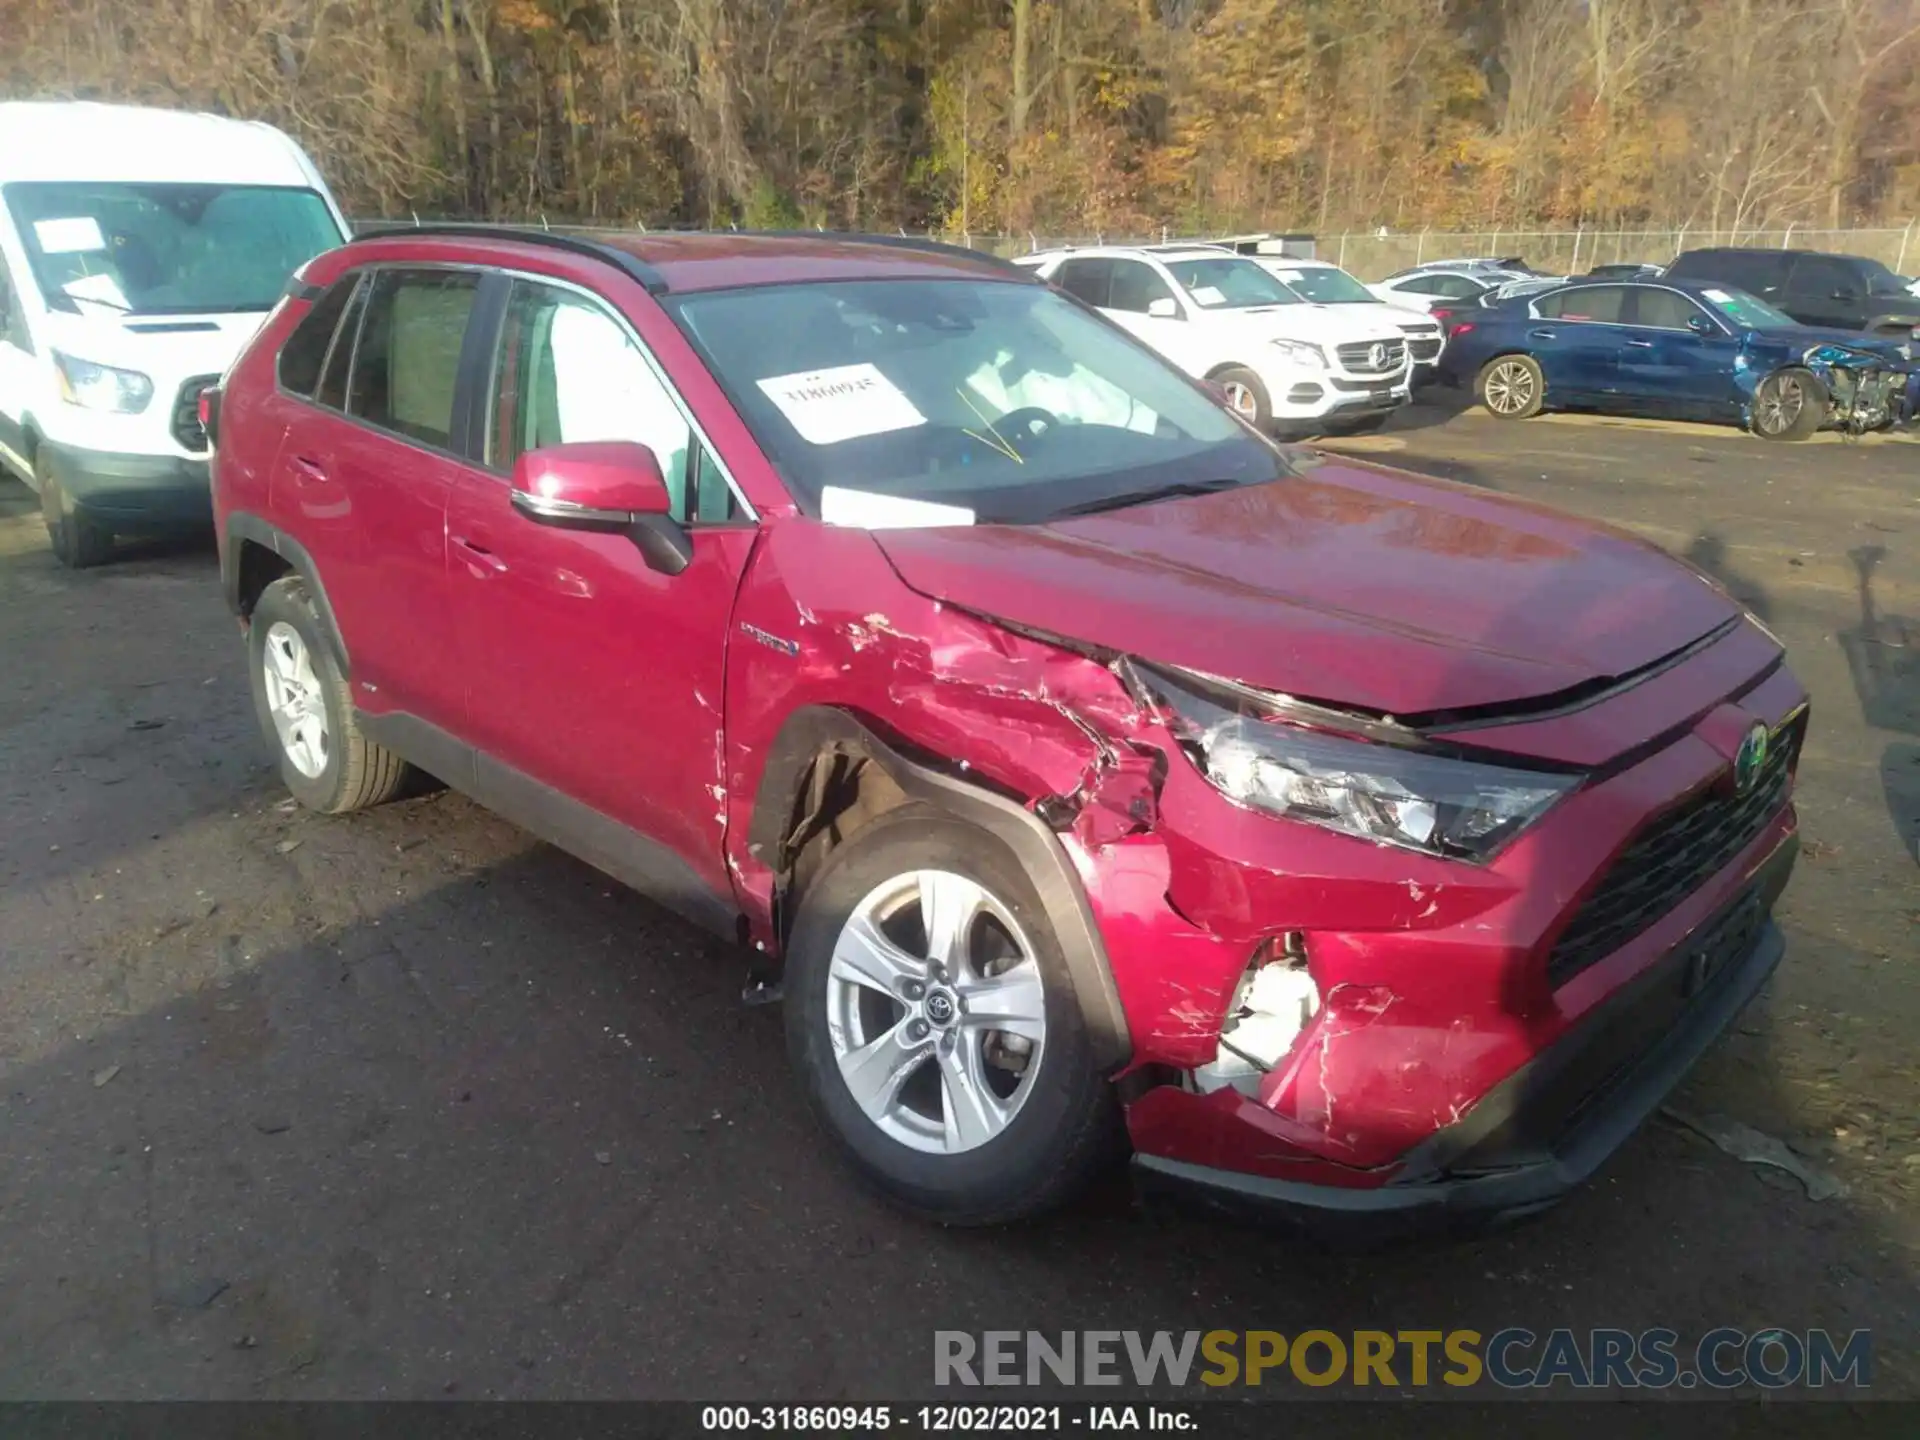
{"x":1708,"y":552}
{"x":516,"y":1136}
{"x":1883,"y":659}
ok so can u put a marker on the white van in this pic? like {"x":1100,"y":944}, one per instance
{"x":139,"y":250}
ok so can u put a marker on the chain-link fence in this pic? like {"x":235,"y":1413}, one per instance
{"x":1375,"y":254}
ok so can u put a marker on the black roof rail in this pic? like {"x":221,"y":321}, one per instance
{"x":646,"y":274}
{"x":633,"y":265}
{"x":897,"y":242}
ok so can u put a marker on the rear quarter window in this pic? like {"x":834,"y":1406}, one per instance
{"x":407,"y":363}
{"x":305,"y":351}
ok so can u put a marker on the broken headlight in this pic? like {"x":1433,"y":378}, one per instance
{"x":1417,"y":799}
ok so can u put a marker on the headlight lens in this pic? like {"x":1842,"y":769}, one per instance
{"x":1437,"y":804}
{"x":101,"y":387}
{"x":1301,"y":353}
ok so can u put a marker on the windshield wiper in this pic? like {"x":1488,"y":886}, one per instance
{"x":1147,"y":497}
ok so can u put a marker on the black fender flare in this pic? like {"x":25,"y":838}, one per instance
{"x":814,"y":731}
{"x":241,"y":528}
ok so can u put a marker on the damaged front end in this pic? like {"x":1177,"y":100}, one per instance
{"x":1867,"y":389}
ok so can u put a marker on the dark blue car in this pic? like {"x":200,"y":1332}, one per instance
{"x":1676,"y":349}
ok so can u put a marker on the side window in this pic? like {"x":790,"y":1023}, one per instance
{"x":1458,"y":287}
{"x":1594,"y":304}
{"x":1420,"y":285}
{"x":1823,"y":277}
{"x":305,"y":352}
{"x":408,"y":357}
{"x":1663,"y":309}
{"x":13,"y":321}
{"x":1135,"y":286}
{"x":1085,"y":280}
{"x":568,"y":371}
{"x":1756,"y":274}
{"x":333,"y":381}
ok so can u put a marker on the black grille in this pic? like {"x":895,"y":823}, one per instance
{"x":1424,"y":349}
{"x":1673,"y":857}
{"x":186,"y":414}
{"x":1358,"y":357}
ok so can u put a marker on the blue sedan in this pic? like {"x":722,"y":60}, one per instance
{"x":1669,"y":349}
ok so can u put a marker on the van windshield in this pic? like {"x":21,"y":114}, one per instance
{"x":166,"y":249}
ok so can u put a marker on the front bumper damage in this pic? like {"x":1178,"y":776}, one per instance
{"x":1415,"y":1089}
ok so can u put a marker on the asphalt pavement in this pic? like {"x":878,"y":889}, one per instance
{"x":407,"y":1105}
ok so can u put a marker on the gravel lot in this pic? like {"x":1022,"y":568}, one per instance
{"x":407,"y":1105}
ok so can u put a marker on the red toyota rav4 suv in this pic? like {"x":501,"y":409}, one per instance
{"x":1382,"y":850}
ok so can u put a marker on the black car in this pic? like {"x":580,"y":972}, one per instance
{"x":1840,"y":292}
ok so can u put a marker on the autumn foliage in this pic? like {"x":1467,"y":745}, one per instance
{"x":1073,"y":116}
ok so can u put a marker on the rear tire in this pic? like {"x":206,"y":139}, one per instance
{"x":79,"y":541}
{"x":1046,"y":1125}
{"x":1247,"y":395}
{"x":1789,"y":404}
{"x":306,"y":712}
{"x":1512,"y":387}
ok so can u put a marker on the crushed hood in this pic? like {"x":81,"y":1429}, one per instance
{"x":1347,"y":583}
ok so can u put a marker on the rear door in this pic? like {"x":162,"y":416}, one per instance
{"x":1668,"y":366}
{"x":589,"y":676}
{"x":364,"y":477}
{"x":1577,"y":338}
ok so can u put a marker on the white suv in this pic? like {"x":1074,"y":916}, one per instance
{"x":1285,"y":365}
{"x":1321,"y":282}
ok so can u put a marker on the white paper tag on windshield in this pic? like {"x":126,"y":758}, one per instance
{"x":70,"y":236}
{"x":1292,"y":277}
{"x":1719,"y":297}
{"x":848,"y":401}
{"x":1208,"y":295}
{"x":861,"y":510}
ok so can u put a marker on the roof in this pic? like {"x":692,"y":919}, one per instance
{"x":86,"y":140}
{"x":682,"y":261}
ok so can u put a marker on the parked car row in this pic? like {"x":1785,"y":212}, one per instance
{"x":1369,"y":851}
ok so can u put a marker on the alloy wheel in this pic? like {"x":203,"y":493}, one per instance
{"x":1241,"y":398}
{"x":936,"y":1011}
{"x":1510,"y":388}
{"x":295,"y":700}
{"x":1778,"y":405}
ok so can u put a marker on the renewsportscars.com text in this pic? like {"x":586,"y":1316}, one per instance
{"x":1511,"y":1358}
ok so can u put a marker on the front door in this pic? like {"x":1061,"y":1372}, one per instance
{"x":586,"y":672}
{"x":1670,"y":368}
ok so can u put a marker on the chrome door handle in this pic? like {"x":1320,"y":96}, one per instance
{"x":1543,"y":334}
{"x":1639,"y":344}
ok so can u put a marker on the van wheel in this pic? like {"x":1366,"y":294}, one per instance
{"x":79,"y":541}
{"x":934,"y":1027}
{"x":303,"y":706}
{"x":1246,"y":395}
{"x":1789,"y":405}
{"x":1512,"y":387}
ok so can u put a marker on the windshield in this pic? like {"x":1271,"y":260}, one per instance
{"x":1325,"y":285}
{"x":1229,"y":283}
{"x":1007,"y":399}
{"x":167,"y":249}
{"x":1748,"y":312}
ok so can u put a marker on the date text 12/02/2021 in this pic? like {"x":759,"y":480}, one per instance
{"x":948,"y":1419}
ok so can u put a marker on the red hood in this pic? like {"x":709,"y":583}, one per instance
{"x":1347,"y":584}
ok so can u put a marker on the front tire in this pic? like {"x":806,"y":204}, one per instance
{"x":1789,"y":405}
{"x":934,"y":1026}
{"x":1512,"y":387}
{"x":79,"y":541}
{"x":1247,"y":395}
{"x":306,"y":712}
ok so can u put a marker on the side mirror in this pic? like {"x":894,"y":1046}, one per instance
{"x":1846,"y":292}
{"x":1701,"y":325}
{"x":610,"y":486}
{"x":1165,"y":308}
